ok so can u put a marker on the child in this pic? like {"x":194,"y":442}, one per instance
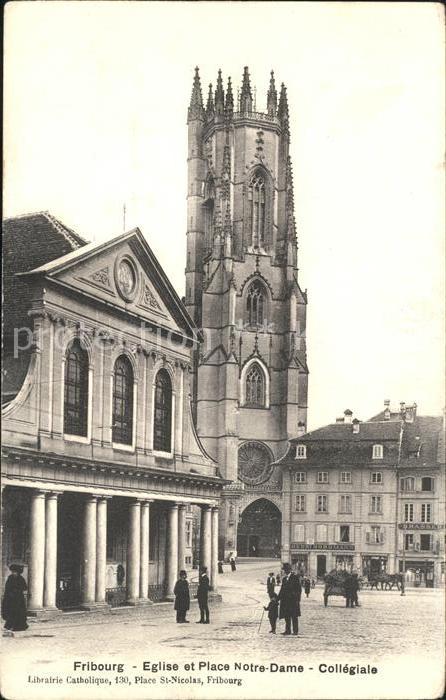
{"x":182,"y":597}
{"x":273,"y":612}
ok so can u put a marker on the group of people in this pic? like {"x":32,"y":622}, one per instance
{"x":182,"y":597}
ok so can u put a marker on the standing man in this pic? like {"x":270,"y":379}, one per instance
{"x":202,"y":595}
{"x":271,"y":584}
{"x":289,"y":597}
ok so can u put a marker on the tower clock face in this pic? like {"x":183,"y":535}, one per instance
{"x":254,"y":463}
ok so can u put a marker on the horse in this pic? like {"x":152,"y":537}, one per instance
{"x":387,"y":581}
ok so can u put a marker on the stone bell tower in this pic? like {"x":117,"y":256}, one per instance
{"x":251,"y":376}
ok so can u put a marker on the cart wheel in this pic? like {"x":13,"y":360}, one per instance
{"x":325,"y":600}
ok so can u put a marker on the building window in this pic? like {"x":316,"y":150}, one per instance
{"x":299,"y":533}
{"x":300,"y":477}
{"x":345,"y":504}
{"x":408,"y":512}
{"x":300,"y":503}
{"x":346,"y":477}
{"x":322,"y":477}
{"x":408,"y":484}
{"x":256,"y":304}
{"x":255,"y":386}
{"x":377,"y":452}
{"x":376,"y":478}
{"x":188,"y":533}
{"x":427,"y":483}
{"x":256,"y":195}
{"x":344,"y":533}
{"x":375,"y":536}
{"x":322,"y":504}
{"x":122,"y":430}
{"x":426,"y":513}
{"x":376,"y":504}
{"x":162,"y":424}
{"x":76,"y":391}
{"x":301,"y":453}
{"x":425,"y":543}
{"x":408,"y":541}
{"x":321,"y":533}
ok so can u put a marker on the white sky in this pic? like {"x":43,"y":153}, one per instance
{"x":96,"y":103}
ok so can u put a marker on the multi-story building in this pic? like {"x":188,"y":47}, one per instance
{"x":356,"y":493}
{"x":100,"y":455}
{"x":242,"y":289}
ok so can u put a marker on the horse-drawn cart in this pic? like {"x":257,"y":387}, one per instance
{"x":335,"y":584}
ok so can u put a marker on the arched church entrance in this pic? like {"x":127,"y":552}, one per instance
{"x":259,"y":530}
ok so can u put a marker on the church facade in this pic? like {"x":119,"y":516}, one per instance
{"x":250,"y":377}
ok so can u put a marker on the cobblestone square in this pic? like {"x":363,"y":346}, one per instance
{"x":402,"y":636}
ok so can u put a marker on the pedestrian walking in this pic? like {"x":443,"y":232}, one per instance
{"x":355,"y":589}
{"x":307,"y":586}
{"x":13,"y":603}
{"x":273,"y":612}
{"x":270,"y":584}
{"x":202,"y":595}
{"x":220,"y":566}
{"x":348,"y":583}
{"x":232,"y":562}
{"x":182,"y":597}
{"x":289,"y":597}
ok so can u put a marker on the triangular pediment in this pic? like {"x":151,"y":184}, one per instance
{"x":122,"y":273}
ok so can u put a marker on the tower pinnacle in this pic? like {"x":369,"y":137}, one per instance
{"x":229,"y":107}
{"x":210,"y":103}
{"x":272,"y":96}
{"x":219,"y":96}
{"x":282,"y":111}
{"x":196,"y":109}
{"x":246,"y":95}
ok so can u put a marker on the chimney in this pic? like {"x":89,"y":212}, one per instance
{"x":348,"y":416}
{"x":386,"y":409}
{"x":403,"y":410}
{"x":410,"y":413}
{"x":355,"y":425}
{"x":301,"y":428}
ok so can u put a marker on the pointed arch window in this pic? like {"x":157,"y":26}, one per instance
{"x":257,"y":197}
{"x":255,"y":386}
{"x":162,"y":424}
{"x":256,"y":304}
{"x":209,"y":205}
{"x":122,"y":430}
{"x":76,"y":390}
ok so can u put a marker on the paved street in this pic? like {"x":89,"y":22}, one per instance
{"x":402,"y":636}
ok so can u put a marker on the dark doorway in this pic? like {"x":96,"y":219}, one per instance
{"x":321,"y":565}
{"x":69,"y":547}
{"x":259,"y":530}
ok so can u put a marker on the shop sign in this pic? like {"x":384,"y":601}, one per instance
{"x":418,"y":526}
{"x":330,"y":547}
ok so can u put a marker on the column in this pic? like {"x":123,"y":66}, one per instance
{"x":144,"y":551}
{"x":50,"y":575}
{"x":214,"y":548}
{"x":172,"y":549}
{"x":89,"y":552}
{"x":134,"y":552}
{"x":205,"y":537}
{"x":101,"y":549}
{"x":37,"y":551}
{"x":181,"y":536}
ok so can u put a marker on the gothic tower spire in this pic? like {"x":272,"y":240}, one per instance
{"x":246,"y":95}
{"x":210,"y":103}
{"x":196,"y":109}
{"x":229,"y":106}
{"x":282,"y":111}
{"x":219,"y":96}
{"x":271,"y":105}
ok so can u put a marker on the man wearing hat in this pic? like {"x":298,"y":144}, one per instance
{"x":271,"y":584}
{"x":289,"y":597}
{"x":13,"y":603}
{"x":202,"y":595}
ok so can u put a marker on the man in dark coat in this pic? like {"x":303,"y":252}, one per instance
{"x":202,"y":595}
{"x":182,"y":597}
{"x":13,"y":603}
{"x":349,"y":593}
{"x":289,"y":597}
{"x":271,"y":584}
{"x":355,"y":587}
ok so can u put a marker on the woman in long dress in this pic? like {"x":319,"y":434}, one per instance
{"x":13,"y":603}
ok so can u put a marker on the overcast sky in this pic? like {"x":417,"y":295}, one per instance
{"x":96,"y":103}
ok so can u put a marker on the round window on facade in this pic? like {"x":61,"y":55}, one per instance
{"x":254,"y":463}
{"x":126,"y":278}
